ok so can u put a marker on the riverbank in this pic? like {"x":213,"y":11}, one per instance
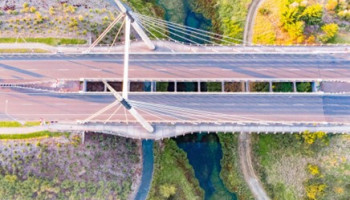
{"x":231,"y":172}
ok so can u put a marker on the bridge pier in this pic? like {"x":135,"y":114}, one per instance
{"x":84,"y":85}
{"x":247,"y":89}
{"x":295,"y":86}
{"x":199,"y":86}
{"x":270,"y":86}
{"x":314,"y":86}
{"x":153,"y":86}
{"x":175,"y":86}
{"x":222,"y":86}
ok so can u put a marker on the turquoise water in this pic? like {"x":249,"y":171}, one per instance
{"x":147,"y":170}
{"x":179,"y":11}
{"x":204,"y":154}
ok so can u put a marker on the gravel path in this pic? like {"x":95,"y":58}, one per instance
{"x":247,"y":167}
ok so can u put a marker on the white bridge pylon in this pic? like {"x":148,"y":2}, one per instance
{"x":129,"y":20}
{"x":126,"y":105}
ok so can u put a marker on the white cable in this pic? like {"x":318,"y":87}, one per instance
{"x":126,"y":116}
{"x":181,"y":31}
{"x":191,"y":41}
{"x":195,"y":29}
{"x":187,"y":29}
{"x":116,"y":36}
{"x":113,"y":113}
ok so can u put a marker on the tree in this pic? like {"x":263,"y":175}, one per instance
{"x":296,"y":30}
{"x":314,"y":191}
{"x":52,"y":11}
{"x":167,"y":190}
{"x":313,"y":169}
{"x":312,"y":15}
{"x":331,"y":5}
{"x":32,"y":9}
{"x":330,"y":30}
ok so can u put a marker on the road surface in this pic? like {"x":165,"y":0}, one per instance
{"x":25,"y":105}
{"x":250,"y":21}
{"x":28,"y":68}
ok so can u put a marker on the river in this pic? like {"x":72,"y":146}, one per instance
{"x":204,"y":153}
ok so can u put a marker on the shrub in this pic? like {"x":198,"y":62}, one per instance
{"x":330,"y":30}
{"x":32,"y":9}
{"x":313,"y":169}
{"x":313,"y":14}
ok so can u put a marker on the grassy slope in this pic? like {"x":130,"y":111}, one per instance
{"x":13,"y":124}
{"x":31,"y":135}
{"x":23,"y":51}
{"x":171,"y":166}
{"x":230,"y":172}
{"x":281,"y":161}
{"x":48,"y":41}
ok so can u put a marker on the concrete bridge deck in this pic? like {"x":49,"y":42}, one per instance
{"x":256,"y":108}
{"x":157,"y":67}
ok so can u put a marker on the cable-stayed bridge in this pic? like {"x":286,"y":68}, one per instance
{"x":172,"y":53}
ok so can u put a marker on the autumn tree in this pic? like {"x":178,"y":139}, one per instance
{"x":330,"y":30}
{"x":167,"y":190}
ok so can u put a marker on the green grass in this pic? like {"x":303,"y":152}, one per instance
{"x":231,"y":173}
{"x":304,"y":87}
{"x":23,"y":51}
{"x":227,"y":16}
{"x":48,"y":41}
{"x":341,"y":38}
{"x":14,"y":124}
{"x":31,"y":135}
{"x":282,"y":87}
{"x":171,"y":167}
{"x":259,"y":87}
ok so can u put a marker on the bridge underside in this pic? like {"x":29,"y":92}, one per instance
{"x":168,"y":131}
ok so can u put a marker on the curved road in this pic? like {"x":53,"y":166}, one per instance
{"x":250,"y":21}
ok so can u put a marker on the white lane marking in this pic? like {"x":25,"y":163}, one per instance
{"x":226,"y":69}
{"x":162,"y":69}
{"x":62,"y":69}
{"x":263,"y":104}
{"x":194,"y":69}
{"x":32,"y":69}
{"x":329,"y":69}
{"x":26,"y":104}
{"x":294,"y":69}
{"x":298,"y":104}
{"x":262,"y":69}
{"x":60,"y":104}
{"x":96,"y":70}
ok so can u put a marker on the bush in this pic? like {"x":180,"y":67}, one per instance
{"x":330,"y":31}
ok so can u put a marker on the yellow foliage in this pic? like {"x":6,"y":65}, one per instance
{"x":32,"y":9}
{"x":314,"y":191}
{"x":313,"y":169}
{"x":331,"y":5}
{"x":339,"y":190}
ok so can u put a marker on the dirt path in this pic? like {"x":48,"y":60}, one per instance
{"x":250,"y":21}
{"x":250,"y":177}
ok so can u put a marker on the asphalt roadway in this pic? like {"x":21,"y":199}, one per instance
{"x":27,"y":68}
{"x":19,"y":104}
